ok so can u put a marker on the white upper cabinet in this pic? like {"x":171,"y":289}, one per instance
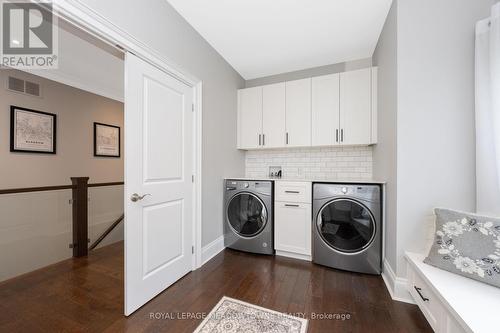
{"x":329,"y":110}
{"x":325,"y":110}
{"x":250,"y":118}
{"x":374,"y":115}
{"x":273,"y":115}
{"x":298,"y":113}
{"x":355,"y":107}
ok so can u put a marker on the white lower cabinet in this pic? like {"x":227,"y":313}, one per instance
{"x":426,"y":300}
{"x":425,"y":296}
{"x":452,"y":326}
{"x":293,"y":228}
{"x":292,"y":219}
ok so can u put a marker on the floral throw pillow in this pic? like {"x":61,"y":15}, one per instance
{"x":467,"y":244}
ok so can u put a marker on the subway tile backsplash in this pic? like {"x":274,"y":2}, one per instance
{"x":312,"y":163}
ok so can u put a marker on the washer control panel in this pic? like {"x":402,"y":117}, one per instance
{"x":264,"y":187}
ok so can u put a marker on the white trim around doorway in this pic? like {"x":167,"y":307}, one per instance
{"x":90,"y":21}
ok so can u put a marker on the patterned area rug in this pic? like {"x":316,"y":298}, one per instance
{"x":234,"y":316}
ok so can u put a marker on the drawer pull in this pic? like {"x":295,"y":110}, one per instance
{"x":294,"y":192}
{"x":290,"y":205}
{"x":419,"y":291}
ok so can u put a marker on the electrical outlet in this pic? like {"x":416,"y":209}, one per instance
{"x":275,"y":172}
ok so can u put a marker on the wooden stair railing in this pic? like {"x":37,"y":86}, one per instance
{"x":79,"y":202}
{"x":105,"y":233}
{"x":36,"y":189}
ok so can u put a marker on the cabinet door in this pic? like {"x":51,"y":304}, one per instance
{"x":325,"y":110}
{"x":298,"y":113}
{"x":374,"y":120}
{"x":273,"y":121}
{"x":249,"y":117}
{"x":355,"y":107}
{"x":293,"y":227}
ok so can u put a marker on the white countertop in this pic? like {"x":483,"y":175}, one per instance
{"x":340,"y":181}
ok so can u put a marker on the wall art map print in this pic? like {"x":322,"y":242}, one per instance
{"x":106,"y":140}
{"x":32,"y":131}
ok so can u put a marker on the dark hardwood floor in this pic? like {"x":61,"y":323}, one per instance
{"x":86,"y":295}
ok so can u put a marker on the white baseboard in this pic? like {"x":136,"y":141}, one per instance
{"x":396,"y":285}
{"x":212,"y":249}
{"x":293,"y":255}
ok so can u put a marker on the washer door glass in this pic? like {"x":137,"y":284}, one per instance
{"x":346,"y":225}
{"x":247,"y":214}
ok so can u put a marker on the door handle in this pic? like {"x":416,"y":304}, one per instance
{"x":337,"y":135}
{"x":263,"y":139}
{"x":294,"y":192}
{"x":136,"y":197}
{"x":286,"y":137}
{"x":290,"y":205}
{"x":342,"y":135}
{"x":259,"y":139}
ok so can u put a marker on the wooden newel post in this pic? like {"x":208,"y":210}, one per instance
{"x":80,"y":216}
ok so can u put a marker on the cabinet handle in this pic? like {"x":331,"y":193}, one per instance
{"x":286,"y":137}
{"x":337,"y":135}
{"x":295,"y":192}
{"x":290,"y":205}
{"x":259,"y":139}
{"x":342,"y":135}
{"x":419,"y":291}
{"x":263,"y":139}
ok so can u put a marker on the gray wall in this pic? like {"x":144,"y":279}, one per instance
{"x":157,"y":24}
{"x":385,"y":152}
{"x":76,"y":111}
{"x":426,"y":101}
{"x":436,"y":140}
{"x":311,"y":72}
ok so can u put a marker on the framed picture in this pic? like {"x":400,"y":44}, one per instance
{"x":32,"y":131}
{"x":106,"y":140}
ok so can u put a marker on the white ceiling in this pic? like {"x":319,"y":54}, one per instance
{"x":266,"y":37}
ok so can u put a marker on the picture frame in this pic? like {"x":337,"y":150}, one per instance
{"x":32,"y":131}
{"x":107,"y":140}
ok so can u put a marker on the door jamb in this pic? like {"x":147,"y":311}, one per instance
{"x":92,"y":22}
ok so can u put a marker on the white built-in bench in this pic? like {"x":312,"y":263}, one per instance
{"x":452,"y":303}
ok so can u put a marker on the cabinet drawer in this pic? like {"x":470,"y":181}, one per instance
{"x":426,"y":300}
{"x":292,"y":227}
{"x":293,"y":192}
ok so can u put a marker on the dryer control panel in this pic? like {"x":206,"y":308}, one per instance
{"x":361,"y":191}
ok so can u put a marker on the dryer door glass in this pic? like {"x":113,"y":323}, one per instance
{"x":247,"y":214}
{"x":346,"y":225}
